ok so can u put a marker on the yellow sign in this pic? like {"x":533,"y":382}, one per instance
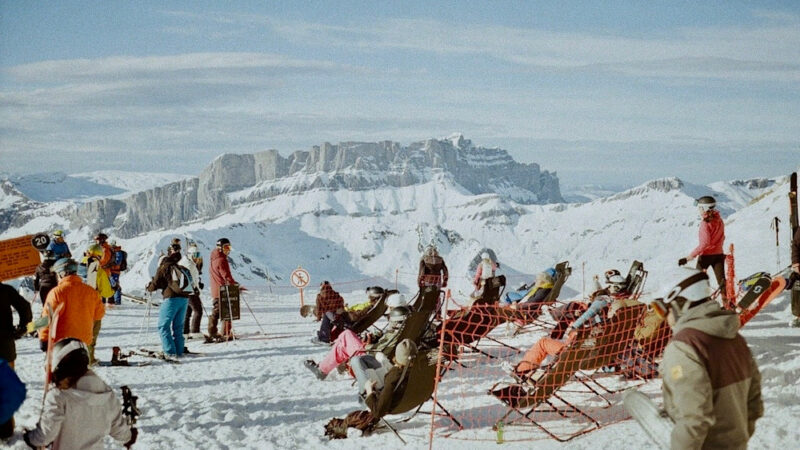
{"x":18,"y":258}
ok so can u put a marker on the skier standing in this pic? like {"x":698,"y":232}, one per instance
{"x":175,"y":284}
{"x":44,"y":280}
{"x":711,"y":383}
{"x":81,"y":312}
{"x":712,"y":236}
{"x":82,"y":409}
{"x":10,"y":298}
{"x":58,"y":246}
{"x":220,"y":273}
{"x":106,"y":261}
{"x":194,"y":312}
{"x":485,"y":270}
{"x":432,"y":269}
{"x":117,"y":265}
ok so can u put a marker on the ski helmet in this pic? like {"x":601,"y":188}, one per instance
{"x":692,"y":290}
{"x":395,"y":300}
{"x":405,"y":352}
{"x":95,"y":250}
{"x":375,"y":292}
{"x":485,"y":255}
{"x":550,"y":271}
{"x":65,"y":266}
{"x":101,"y":237}
{"x":398,"y":315}
{"x":58,"y":234}
{"x":70,"y":359}
{"x":706,"y":202}
{"x":223,"y":242}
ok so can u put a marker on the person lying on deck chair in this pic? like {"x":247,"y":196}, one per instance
{"x":379,"y":395}
{"x":616,"y":287}
{"x":603,"y":307}
{"x":535,"y":294}
{"x":349,"y":344}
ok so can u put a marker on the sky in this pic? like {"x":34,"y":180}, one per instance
{"x":609,"y":93}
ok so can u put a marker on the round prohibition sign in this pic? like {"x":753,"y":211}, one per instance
{"x":300,"y":278}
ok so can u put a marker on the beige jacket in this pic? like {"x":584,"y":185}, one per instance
{"x":712,"y":387}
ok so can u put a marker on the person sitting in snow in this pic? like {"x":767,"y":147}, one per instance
{"x":327,"y":300}
{"x":432,"y":269}
{"x":81,"y":409}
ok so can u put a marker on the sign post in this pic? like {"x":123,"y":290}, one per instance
{"x":300,"y":279}
{"x":19,"y":257}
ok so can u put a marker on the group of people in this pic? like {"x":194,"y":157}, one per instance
{"x":80,"y":409}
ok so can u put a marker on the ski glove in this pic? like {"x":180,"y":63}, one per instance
{"x":682,"y":261}
{"x":200,"y":283}
{"x":43,"y":345}
{"x":20,"y":331}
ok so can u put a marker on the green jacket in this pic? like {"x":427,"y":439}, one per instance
{"x":712,"y":387}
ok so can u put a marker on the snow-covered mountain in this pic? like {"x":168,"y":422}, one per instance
{"x":350,"y":234}
{"x":232,"y":179}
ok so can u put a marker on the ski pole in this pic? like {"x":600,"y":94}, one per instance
{"x":251,"y":312}
{"x":775,"y":225}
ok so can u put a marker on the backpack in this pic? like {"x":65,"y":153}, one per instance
{"x":123,"y":264}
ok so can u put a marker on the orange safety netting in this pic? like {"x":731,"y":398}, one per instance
{"x":517,"y":368}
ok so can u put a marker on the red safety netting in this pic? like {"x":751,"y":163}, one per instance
{"x":519,"y":369}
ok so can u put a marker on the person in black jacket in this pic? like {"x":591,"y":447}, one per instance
{"x":10,"y":298}
{"x":44,"y":279}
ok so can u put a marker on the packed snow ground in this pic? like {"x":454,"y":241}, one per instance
{"x":255,"y":392}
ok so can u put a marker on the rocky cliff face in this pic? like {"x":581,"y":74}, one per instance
{"x":234,"y":178}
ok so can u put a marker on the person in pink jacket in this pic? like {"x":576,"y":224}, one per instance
{"x":709,"y":252}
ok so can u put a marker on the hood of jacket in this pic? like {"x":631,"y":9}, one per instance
{"x":90,"y":389}
{"x":710,"y":319}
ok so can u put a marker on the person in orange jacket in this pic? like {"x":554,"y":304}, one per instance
{"x":81,"y":308}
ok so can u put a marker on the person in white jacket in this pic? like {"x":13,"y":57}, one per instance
{"x":194,"y":312}
{"x":81,"y":409}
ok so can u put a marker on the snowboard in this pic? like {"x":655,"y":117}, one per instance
{"x":123,"y":363}
{"x":753,"y":286}
{"x":775,"y":288}
{"x":655,"y":422}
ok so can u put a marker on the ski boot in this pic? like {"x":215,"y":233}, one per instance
{"x":314,"y":368}
{"x":795,"y":323}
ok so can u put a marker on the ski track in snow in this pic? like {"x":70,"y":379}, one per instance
{"x":255,"y":392}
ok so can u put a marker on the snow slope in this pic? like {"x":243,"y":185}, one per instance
{"x":55,"y":186}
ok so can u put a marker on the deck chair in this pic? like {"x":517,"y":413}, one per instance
{"x":492,"y":290}
{"x":617,"y":336}
{"x":529,"y":314}
{"x":415,"y":389}
{"x":415,"y":325}
{"x":375,"y":312}
{"x":634,"y":282}
{"x":525,"y":398}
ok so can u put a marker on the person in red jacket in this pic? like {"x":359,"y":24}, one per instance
{"x":712,"y":235}
{"x":220,"y":273}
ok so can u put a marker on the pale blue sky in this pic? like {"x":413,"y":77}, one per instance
{"x":601,"y":92}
